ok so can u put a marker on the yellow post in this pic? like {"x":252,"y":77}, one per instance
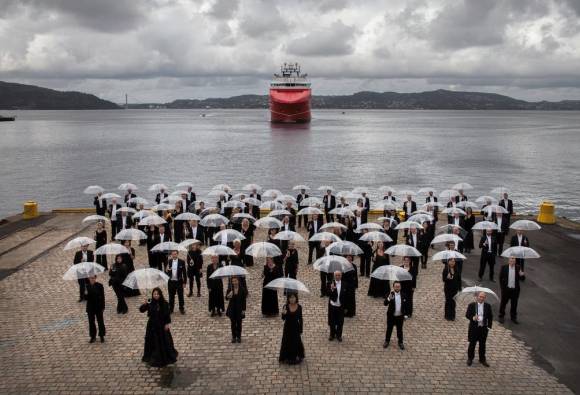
{"x":546,"y":215}
{"x":30,"y":210}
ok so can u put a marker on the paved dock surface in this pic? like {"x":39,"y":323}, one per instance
{"x":44,"y":337}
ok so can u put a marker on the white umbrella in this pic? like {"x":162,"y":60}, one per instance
{"x":83,"y":270}
{"x":431,"y":205}
{"x":178,"y":192}
{"x":286,"y":198}
{"x":330,"y":225}
{"x":162,"y":207}
{"x":127,"y":210}
{"x":172,"y":199}
{"x":426,"y":190}
{"x":447,"y":254}
{"x":467,"y":204}
{"x":268,"y":223}
{"x":168,"y":246}
{"x":287,"y":284}
{"x":252,"y":201}
{"x":332,"y":263}
{"x":375,"y":236}
{"x":386,"y":205}
{"x":454,"y":210}
{"x":310,"y":211}
{"x":524,"y":224}
{"x":391,"y":273}
{"x":138,"y":200}
{"x":403,"y":250}
{"x":158,"y":187}
{"x":112,"y":249}
{"x":445,"y":238}
{"x":342,"y":211}
{"x":312,"y":201}
{"x":251,"y":187}
{"x":464,"y":186}
{"x":300,"y":187}
{"x":386,"y":188}
{"x":229,"y":271}
{"x":235,"y":204}
{"x":325,"y":188}
{"x":222,"y":187}
{"x":468,"y":294}
{"x":271,"y":194}
{"x":368,"y":226}
{"x":494,"y":208}
{"x":448,"y":194}
{"x":289,"y":235}
{"x":239,"y":217}
{"x":95,"y":218}
{"x":485,"y":199}
{"x":263,"y":249}
{"x":344,"y":248}
{"x":218,"y":250}
{"x":324,"y":236}
{"x":279,"y":213}
{"x":78,"y":242}
{"x":153,"y":219}
{"x":145,"y":279}
{"x":141,"y":215}
{"x":500,"y":190}
{"x":185,"y":184}
{"x":408,"y":225}
{"x":420,"y":218}
{"x":217,"y":192}
{"x":272,"y":205}
{"x":230,"y":234}
{"x":186,"y":243}
{"x":127,"y":186}
{"x":130,"y":234}
{"x":485,"y":225}
{"x":188,"y":217}
{"x":93,"y":190}
{"x":110,"y":195}
{"x":448,"y":228}
{"x":406,"y":192}
{"x":214,"y":220}
{"x":520,"y":253}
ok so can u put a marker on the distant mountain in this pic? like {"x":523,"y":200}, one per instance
{"x":433,"y":100}
{"x":30,"y":97}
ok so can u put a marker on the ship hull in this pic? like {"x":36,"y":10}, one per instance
{"x":290,"y":105}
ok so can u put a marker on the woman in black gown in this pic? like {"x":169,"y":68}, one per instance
{"x":101,"y":239}
{"x":468,"y":225}
{"x":159,"y":350}
{"x":292,"y":349}
{"x":270,"y":296}
{"x":379,"y":288}
{"x":128,"y":259}
{"x":215,"y":288}
{"x":248,"y":231}
{"x":451,"y":285}
{"x":194,"y":268}
{"x":350,"y":278}
{"x":408,"y":286}
{"x":236,"y":308}
{"x":117,"y":275}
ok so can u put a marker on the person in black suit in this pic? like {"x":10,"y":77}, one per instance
{"x":291,"y":260}
{"x":431,"y":198}
{"x":161,"y":257}
{"x":190,"y":197}
{"x":451,"y":285}
{"x":480,"y":319}
{"x":236,"y":310}
{"x":427,"y":235}
{"x":177,"y":281}
{"x":95,"y":308}
{"x":520,"y":240}
{"x":313,"y":226}
{"x":113,"y":215}
{"x":255,"y":210}
{"x":84,"y":255}
{"x":194,"y":231}
{"x":457,"y":220}
{"x":366,"y":256}
{"x":488,"y":246}
{"x":509,"y":282}
{"x":161,"y":196}
{"x":389,"y":198}
{"x":503,"y":224}
{"x":100,"y":204}
{"x":123,"y":221}
{"x":337,"y":293}
{"x":194,"y":268}
{"x":415,"y":239}
{"x":366,"y":207}
{"x":329,"y":201}
{"x":130,"y":195}
{"x":397,"y":306}
{"x":409,"y":207}
{"x":299,"y":198}
{"x":117,"y":275}
{"x":508,"y":205}
{"x":462,"y":197}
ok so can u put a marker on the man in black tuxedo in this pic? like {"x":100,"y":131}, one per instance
{"x":190,"y":196}
{"x":414,"y":239}
{"x":366,"y":208}
{"x":123,"y":221}
{"x":462,"y":197}
{"x":194,"y":231}
{"x":488,"y":245}
{"x":397,"y":306}
{"x":95,"y":308}
{"x":313,"y":226}
{"x":299,"y":198}
{"x":508,"y":205}
{"x":457,"y":220}
{"x":520,"y":240}
{"x":177,"y":281}
{"x":255,"y":209}
{"x":130,"y":195}
{"x":409,"y":207}
{"x":161,"y":236}
{"x":329,"y":201}
{"x":480,"y":319}
{"x":113,"y":215}
{"x":509,"y":282}
{"x":336,"y":299}
{"x":161,"y":196}
{"x":100,"y":204}
{"x":292,"y":218}
{"x":84,"y":255}
{"x":503,"y":225}
{"x":431,"y":198}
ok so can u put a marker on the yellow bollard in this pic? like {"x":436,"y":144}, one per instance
{"x":30,"y":210}
{"x":546,"y":215}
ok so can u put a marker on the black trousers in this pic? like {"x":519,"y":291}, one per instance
{"x":365,"y":265}
{"x":512,"y":295}
{"x":395,"y":321}
{"x":175,"y":287}
{"x":113,"y":230}
{"x":121,"y":304}
{"x":82,"y":288}
{"x":336,"y":320}
{"x":486,"y":259}
{"x":323,"y":282}
{"x":98,"y":316}
{"x":410,"y":294}
{"x":311,"y":250}
{"x":500,"y":240}
{"x":480,"y":336}
{"x":290,"y":271}
{"x":236,"y":324}
{"x":300,"y":218}
{"x":197,"y":276}
{"x":424,"y":258}
{"x":329,"y":217}
{"x":450,"y":305}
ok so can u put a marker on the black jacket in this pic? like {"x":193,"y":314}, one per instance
{"x":515,"y":243}
{"x":484,"y":248}
{"x":487,"y":319}
{"x":181,"y":271}
{"x":102,"y":207}
{"x":391,"y":304}
{"x":95,"y":298}
{"x":504,"y":276}
{"x":311,"y":231}
{"x":334,"y":296}
{"x":332,"y":202}
{"x":79,"y":257}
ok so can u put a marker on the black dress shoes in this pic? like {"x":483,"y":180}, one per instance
{"x":401,"y":346}
{"x":469,"y":362}
{"x":92,"y":340}
{"x":385,"y":344}
{"x":484,"y":363}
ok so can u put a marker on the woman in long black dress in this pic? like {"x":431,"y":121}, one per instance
{"x":408,"y":286}
{"x":128,"y":259}
{"x":451,"y":285}
{"x":236,"y":308}
{"x":248,"y":231}
{"x":117,"y":275}
{"x":278,"y":260}
{"x":194,"y":268}
{"x":350,"y":278}
{"x":379,"y":288}
{"x":159,"y":350}
{"x":270,"y":296}
{"x":292,"y":349}
{"x":468,"y":223}
{"x":101,"y":239}
{"x":215,"y":288}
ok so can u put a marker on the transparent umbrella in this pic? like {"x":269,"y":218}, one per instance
{"x":252,"y":201}
{"x":426,"y":190}
{"x":287,"y":284}
{"x":279,"y":213}
{"x":230,"y":235}
{"x":520,"y":253}
{"x":130,"y":234}
{"x":188,"y":217}
{"x":331,"y":225}
{"x":286,"y":198}
{"x":375,"y":236}
{"x":325,"y":188}
{"x":272,"y":205}
{"x":185,"y":184}
{"x":494,"y":208}
{"x":126,"y":186}
{"x":403,"y":250}
{"x":310,"y":211}
{"x":406,"y":192}
{"x":214,"y":220}
{"x":158,"y":187}
{"x":453,"y":211}
{"x":524,"y":224}
{"x":268,"y":223}
{"x":467,"y":204}
{"x":235,"y":204}
{"x":178,"y":192}
{"x":449,"y":228}
{"x":162,"y":207}
{"x":217,"y":193}
{"x":342,"y":211}
{"x":93,"y":189}
{"x":369,"y":226}
{"x":168,"y":246}
{"x":110,"y":195}
{"x":229,"y":271}
{"x":446,"y":255}
{"x":127,"y":210}
{"x":312,"y":201}
{"x":78,"y":242}
{"x":420,"y":218}
{"x":145,"y":279}
{"x":252,"y":187}
{"x":138,"y":200}
{"x":263,"y":249}
{"x":446,"y":238}
{"x":239,"y":217}
{"x":112,"y":249}
{"x":300,"y":187}
{"x":152,"y":220}
{"x":218,"y":250}
{"x":408,"y":225}
{"x":344,"y":248}
{"x":186,"y":243}
{"x":271,"y":194}
{"x":485,"y":225}
{"x":95,"y":218}
{"x":468,"y":294}
{"x":333,"y":263}
{"x":324,"y":236}
{"x":289,"y":235}
{"x":83,"y":270}
{"x":486,"y":199}
{"x":391,"y":273}
{"x":448,"y":194}
{"x":464,"y":186}
{"x":386,"y":205}
{"x":222,"y":187}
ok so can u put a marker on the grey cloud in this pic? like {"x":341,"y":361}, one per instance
{"x":224,"y":9}
{"x":262,"y":18}
{"x":335,"y":40}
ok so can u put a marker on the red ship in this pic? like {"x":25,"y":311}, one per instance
{"x":290,"y":95}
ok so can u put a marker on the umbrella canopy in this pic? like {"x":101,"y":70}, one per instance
{"x":386,"y":189}
{"x":126,"y":186}
{"x":309,"y":211}
{"x":251,"y":187}
{"x":263,"y":249}
{"x":468,"y":294}
{"x":239,"y":217}
{"x":408,"y":225}
{"x":78,"y":242}
{"x":130,"y":234}
{"x":386,"y":205}
{"x":464,"y":186}
{"x":287,"y":284}
{"x":524,"y":224}
{"x":252,"y":201}
{"x":272,"y":193}
{"x":162,"y":207}
{"x":344,"y":248}
{"x":158,"y":187}
{"x":453,"y":211}
{"x":127,"y":210}
{"x":375,"y":236}
{"x":112,"y":249}
{"x":448,"y":194}
{"x":445,"y":238}
{"x":110,"y":195}
{"x":289,"y":235}
{"x":93,"y":189}
{"x":342,"y":211}
{"x":426,"y":190}
{"x":406,"y":192}
{"x":368,"y":226}
{"x":324,"y":236}
{"x":403,"y":250}
{"x":218,"y":250}
{"x":144,"y":279}
{"x":391,"y":273}
{"x":172,"y":199}
{"x":420,"y":218}
{"x":520,"y":253}
{"x":152,"y":220}
{"x":138,"y":200}
{"x":485,"y":225}
{"x":467,"y":204}
{"x":83,"y":270}
{"x":300,"y":187}
{"x":229,"y":271}
{"x":485,"y":199}
{"x":279,"y":213}
{"x":333,"y":263}
{"x":141,"y":215}
{"x":500,"y":190}
{"x":222,"y":187}
{"x":214,"y":220}
{"x":178,"y":192}
{"x":449,"y":228}
{"x":235,"y":204}
{"x":168,"y":246}
{"x":432,"y":205}
{"x":325,"y":188}
{"x":186,"y":243}
{"x":494,"y":208}
{"x":185,"y":184}
{"x":446,"y":255}
{"x":312,"y":201}
{"x":230,"y":235}
{"x":95,"y":218}
{"x":268,"y":223}
{"x":217,"y":192}
{"x":188,"y":217}
{"x":286,"y":198}
{"x":272,"y":205}
{"x":330,"y":225}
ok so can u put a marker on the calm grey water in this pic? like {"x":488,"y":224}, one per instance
{"x":51,"y":156}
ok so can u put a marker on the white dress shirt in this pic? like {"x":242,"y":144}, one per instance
{"x":85,"y":256}
{"x":114,"y":212}
{"x":488,"y":243}
{"x":520,"y":238}
{"x":499,"y":219}
{"x":337,"y":303}
{"x":174,"y":270}
{"x":397,"y":304}
{"x":414,"y":239}
{"x":511,"y":277}
{"x":161,"y":237}
{"x":224,"y":239}
{"x":480,"y":314}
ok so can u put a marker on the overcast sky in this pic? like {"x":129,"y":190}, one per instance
{"x":161,"y":50}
